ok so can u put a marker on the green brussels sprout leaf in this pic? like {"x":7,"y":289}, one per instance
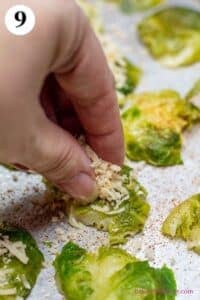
{"x":20,"y":263}
{"x":184,"y":222}
{"x":172,"y":36}
{"x":132,"y":75}
{"x":119,"y":220}
{"x":129,"y":6}
{"x":111,"y":274}
{"x":153,"y":124}
{"x":195,"y":91}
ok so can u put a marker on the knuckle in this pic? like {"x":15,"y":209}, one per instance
{"x":59,"y":166}
{"x":50,"y":154}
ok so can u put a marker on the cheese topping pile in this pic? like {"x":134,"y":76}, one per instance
{"x":109,"y":179}
{"x":16,"y":249}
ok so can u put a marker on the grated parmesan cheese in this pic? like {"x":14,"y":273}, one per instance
{"x":8,"y":292}
{"x":106,"y":210}
{"x":16,"y":249}
{"x":25,"y":282}
{"x":108,"y":176}
{"x":73,"y":222}
{"x":3,"y":250}
{"x":4,"y":273}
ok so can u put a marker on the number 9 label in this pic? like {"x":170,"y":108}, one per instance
{"x":20,"y":20}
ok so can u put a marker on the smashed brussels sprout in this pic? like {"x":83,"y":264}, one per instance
{"x":119,"y":220}
{"x":129,"y":6}
{"x":195,"y":91}
{"x":172,"y":35}
{"x":126,"y":74}
{"x":20,"y":263}
{"x":153,"y":124}
{"x":132,"y":75}
{"x":184,"y":222}
{"x":110,"y":274}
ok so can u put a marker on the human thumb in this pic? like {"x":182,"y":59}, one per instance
{"x":60,"y":159}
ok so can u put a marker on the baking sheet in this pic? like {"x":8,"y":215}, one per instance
{"x":21,"y":194}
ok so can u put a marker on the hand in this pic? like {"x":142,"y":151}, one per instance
{"x":54,"y":81}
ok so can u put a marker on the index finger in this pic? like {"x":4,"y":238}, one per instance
{"x":89,"y":84}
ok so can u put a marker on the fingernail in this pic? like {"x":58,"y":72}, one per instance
{"x":82,"y":187}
